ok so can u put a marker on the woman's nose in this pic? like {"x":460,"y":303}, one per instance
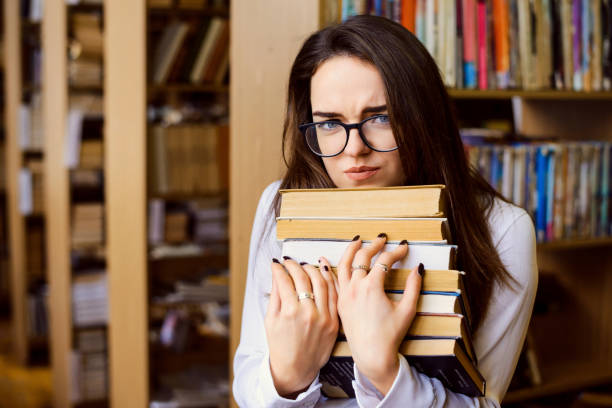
{"x":355,"y":145}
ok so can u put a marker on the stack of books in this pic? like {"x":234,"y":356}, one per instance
{"x":89,"y":366}
{"x":322,"y":222}
{"x":88,"y":224}
{"x":86,"y":50}
{"x":90,"y":299}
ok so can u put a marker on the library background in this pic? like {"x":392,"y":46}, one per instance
{"x":132,"y":165}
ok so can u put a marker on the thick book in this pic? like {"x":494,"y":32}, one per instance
{"x":438,"y":326}
{"x":436,"y":303}
{"x":397,"y":229}
{"x":393,"y":202}
{"x":433,"y":256}
{"x":443,"y":359}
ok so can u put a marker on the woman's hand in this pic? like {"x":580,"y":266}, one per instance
{"x":300,"y":333}
{"x":373,"y":324}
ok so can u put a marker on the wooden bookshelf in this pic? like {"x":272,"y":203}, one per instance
{"x":14,"y":29}
{"x":564,"y":379}
{"x":539,"y":95}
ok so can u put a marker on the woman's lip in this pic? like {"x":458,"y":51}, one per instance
{"x":361,"y":175}
{"x":360,"y":169}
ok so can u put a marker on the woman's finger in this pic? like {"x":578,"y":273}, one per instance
{"x":382,"y":264}
{"x":300,"y":279}
{"x":346,"y":262}
{"x":284,"y":285}
{"x":319,"y":288}
{"x":332,"y":291}
{"x":363,"y":257}
{"x":407,"y":305}
{"x":274,"y":303}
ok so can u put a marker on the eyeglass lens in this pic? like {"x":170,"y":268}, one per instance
{"x":330,"y":138}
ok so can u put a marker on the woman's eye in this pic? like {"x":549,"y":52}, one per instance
{"x":382,"y":119}
{"x":328,"y":126}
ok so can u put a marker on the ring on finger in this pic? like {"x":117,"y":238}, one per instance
{"x":305,"y":295}
{"x":364,"y":267}
{"x":384,"y":267}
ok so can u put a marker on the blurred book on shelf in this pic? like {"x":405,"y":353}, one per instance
{"x":203,"y":222}
{"x":90,"y":298}
{"x":30,"y":124}
{"x":37,"y":311}
{"x":86,"y":50}
{"x":192,"y":52}
{"x":189,"y":159}
{"x":187,"y":4}
{"x":500,"y":44}
{"x":87,"y":224}
{"x":89,"y":366}
{"x":35,"y":250}
{"x":31,"y":188}
{"x":564,"y":186}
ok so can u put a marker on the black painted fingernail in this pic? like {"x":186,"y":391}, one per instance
{"x":356,"y":237}
{"x":404,"y":242}
{"x":275,"y":260}
{"x":421,"y":270}
{"x":382,"y":235}
{"x":286,"y":257}
{"x":325,"y":268}
{"x":319,"y":261}
{"x":302,"y":263}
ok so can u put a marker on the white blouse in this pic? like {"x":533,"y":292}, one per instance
{"x":497,"y":342}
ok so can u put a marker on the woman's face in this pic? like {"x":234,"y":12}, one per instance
{"x":349,"y":90}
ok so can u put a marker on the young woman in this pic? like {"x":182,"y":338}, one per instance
{"x":373,"y":86}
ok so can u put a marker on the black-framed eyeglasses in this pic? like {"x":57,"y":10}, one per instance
{"x":330,"y":137}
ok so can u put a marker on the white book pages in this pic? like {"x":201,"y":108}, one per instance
{"x":433,"y":256}
{"x":25,"y":192}
{"x":74,"y":131}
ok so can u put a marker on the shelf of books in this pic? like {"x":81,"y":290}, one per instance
{"x":180,"y":90}
{"x":73,"y":121}
{"x":24,"y":180}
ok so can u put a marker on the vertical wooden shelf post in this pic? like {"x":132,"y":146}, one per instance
{"x":15,"y":221}
{"x":125,"y":176}
{"x":57,"y":196}
{"x":266,"y":36}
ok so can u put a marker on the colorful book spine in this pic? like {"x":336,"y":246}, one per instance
{"x":408,"y":14}
{"x":482,"y":44}
{"x":469,"y":43}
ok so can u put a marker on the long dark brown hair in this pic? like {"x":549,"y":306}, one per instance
{"x":425,"y":127}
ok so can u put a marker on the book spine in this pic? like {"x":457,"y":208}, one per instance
{"x":550,"y":192}
{"x":605,"y":188}
{"x":542,"y":167}
{"x":587,"y":36}
{"x":501,"y":35}
{"x":408,"y":14}
{"x":482,"y":44}
{"x":469,"y":44}
{"x":577,"y":43}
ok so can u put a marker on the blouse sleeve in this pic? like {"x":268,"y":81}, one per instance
{"x":253,"y":385}
{"x":498,"y":341}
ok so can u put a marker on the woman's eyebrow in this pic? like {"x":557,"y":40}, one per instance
{"x":368,"y":109}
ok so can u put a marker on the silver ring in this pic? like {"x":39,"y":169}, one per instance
{"x":385,"y":267}
{"x":364,"y":267}
{"x":305,"y":295}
